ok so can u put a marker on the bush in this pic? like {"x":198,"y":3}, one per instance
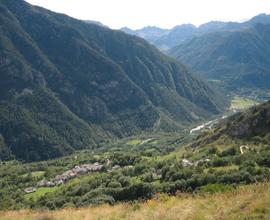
{"x":228,"y":152}
{"x":264,"y":160}
{"x":101,"y":199}
{"x":212,"y":150}
{"x":114,"y":184}
{"x":217,"y":187}
{"x":219,"y":162}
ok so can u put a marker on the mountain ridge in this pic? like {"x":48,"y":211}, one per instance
{"x":169,"y":38}
{"x":239,"y":59}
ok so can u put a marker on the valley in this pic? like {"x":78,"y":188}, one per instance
{"x":138,"y":168}
{"x":153,"y":123}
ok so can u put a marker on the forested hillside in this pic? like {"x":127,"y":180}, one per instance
{"x":235,"y":60}
{"x":66,"y":84}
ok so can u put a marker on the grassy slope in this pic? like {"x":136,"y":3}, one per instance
{"x":247,"y":202}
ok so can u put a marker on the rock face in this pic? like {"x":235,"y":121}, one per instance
{"x":188,"y":163}
{"x":30,"y":190}
{"x":253,"y":122}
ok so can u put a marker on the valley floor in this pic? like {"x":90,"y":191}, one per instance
{"x":247,"y":202}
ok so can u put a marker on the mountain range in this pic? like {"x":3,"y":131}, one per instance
{"x":237,"y":60}
{"x":67,"y":85}
{"x":166,"y":39}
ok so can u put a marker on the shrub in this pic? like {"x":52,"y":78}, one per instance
{"x":114,"y":184}
{"x":101,"y":199}
{"x":216,"y":187}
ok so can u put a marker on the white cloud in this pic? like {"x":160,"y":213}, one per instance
{"x":162,"y":13}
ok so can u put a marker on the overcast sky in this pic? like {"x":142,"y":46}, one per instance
{"x":161,"y":13}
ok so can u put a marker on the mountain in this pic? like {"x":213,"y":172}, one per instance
{"x":163,"y":38}
{"x":261,"y":18}
{"x":149,"y":33}
{"x":68,"y":85}
{"x":236,"y":59}
{"x":251,"y":126}
{"x":95,"y":22}
{"x":175,"y":36}
{"x":169,"y":38}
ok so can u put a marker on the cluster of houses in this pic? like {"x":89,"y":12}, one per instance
{"x":187,"y":163}
{"x":66,"y":176}
{"x":70,"y":174}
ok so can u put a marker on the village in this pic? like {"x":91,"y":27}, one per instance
{"x":66,"y":176}
{"x":72,"y":173}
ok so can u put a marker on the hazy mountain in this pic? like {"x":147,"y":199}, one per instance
{"x":163,"y":38}
{"x":95,"y":22}
{"x":169,"y":38}
{"x":261,"y":18}
{"x":149,"y":33}
{"x":68,"y":85}
{"x":236,"y":59}
{"x":175,"y":36}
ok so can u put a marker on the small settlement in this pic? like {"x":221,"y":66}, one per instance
{"x":70,"y":174}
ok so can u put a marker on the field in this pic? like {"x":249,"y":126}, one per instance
{"x":40,"y":192}
{"x":246,"y":202}
{"x":241,"y":103}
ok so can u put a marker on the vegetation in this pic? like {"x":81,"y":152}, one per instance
{"x":68,"y":85}
{"x":241,"y":103}
{"x":250,"y":202}
{"x":139,"y":168}
{"x":251,"y":126}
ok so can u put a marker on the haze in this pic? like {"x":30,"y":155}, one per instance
{"x":166,"y":14}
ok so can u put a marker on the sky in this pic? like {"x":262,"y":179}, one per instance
{"x":161,"y":13}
